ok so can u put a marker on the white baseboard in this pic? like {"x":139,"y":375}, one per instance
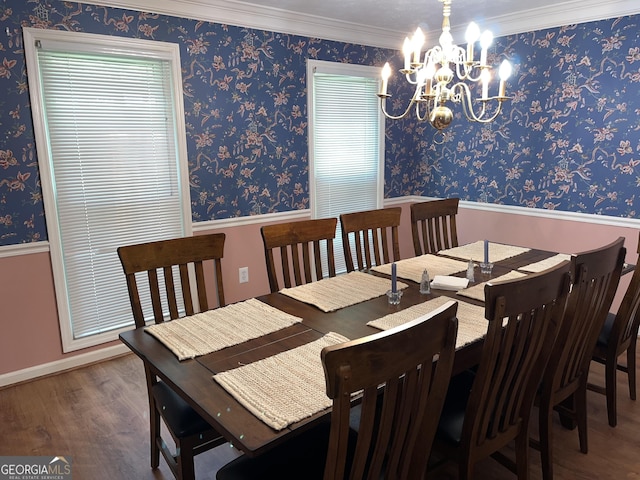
{"x":62,"y":365}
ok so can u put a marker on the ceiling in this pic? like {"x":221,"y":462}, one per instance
{"x":385,"y":23}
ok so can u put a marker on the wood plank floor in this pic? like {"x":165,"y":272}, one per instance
{"x":98,"y":415}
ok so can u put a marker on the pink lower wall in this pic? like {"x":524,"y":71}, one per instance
{"x":30,"y":334}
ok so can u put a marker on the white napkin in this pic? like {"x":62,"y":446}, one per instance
{"x":446,"y":282}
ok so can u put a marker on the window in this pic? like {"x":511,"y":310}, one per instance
{"x":110,"y":140}
{"x":346,"y":142}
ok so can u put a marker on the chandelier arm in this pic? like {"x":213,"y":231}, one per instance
{"x":464,"y":97}
{"x":383,"y":103}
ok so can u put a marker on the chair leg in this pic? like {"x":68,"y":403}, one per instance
{"x":184,"y":459}
{"x":522,"y":455}
{"x":580,"y":403}
{"x":611,"y":366}
{"x":631,"y":369}
{"x":154,"y":430}
{"x":544,"y":426}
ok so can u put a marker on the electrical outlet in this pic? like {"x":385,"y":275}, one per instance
{"x":243,"y":274}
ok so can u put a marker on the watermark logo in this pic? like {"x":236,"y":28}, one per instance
{"x":35,"y":468}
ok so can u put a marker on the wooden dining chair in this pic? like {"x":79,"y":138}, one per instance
{"x":401,"y":376}
{"x":619,"y":335}
{"x":310,"y":239}
{"x":171,"y":271}
{"x":375,"y":237}
{"x":594,"y":276}
{"x":433,"y":225}
{"x":490,"y":408}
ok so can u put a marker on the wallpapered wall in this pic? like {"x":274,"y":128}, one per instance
{"x":569,"y":140}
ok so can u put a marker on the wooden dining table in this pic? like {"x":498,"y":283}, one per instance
{"x":192,"y":378}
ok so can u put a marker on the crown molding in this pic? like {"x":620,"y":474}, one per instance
{"x":249,"y":15}
{"x":241,"y":14}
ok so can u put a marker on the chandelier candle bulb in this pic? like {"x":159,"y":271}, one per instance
{"x":485,"y":42}
{"x":472,"y":35}
{"x":504,"y":73}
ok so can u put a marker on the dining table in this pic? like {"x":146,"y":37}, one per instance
{"x":195,"y":376}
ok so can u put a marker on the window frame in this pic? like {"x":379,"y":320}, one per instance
{"x":109,"y":45}
{"x":350,"y":70}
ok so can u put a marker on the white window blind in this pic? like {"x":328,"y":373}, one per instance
{"x":113,"y":174}
{"x":347,"y":142}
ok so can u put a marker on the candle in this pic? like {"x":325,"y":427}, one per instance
{"x":394,"y":282}
{"x":386,"y":73}
{"x":486,"y":251}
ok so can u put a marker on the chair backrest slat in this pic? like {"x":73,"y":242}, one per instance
{"x":375,"y":234}
{"x":189,"y":255}
{"x":625,"y":326}
{"x":433,"y":225}
{"x":524,"y":318}
{"x":595,"y":277}
{"x":300,"y":245}
{"x":403,"y":375}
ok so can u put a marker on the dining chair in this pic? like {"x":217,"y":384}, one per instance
{"x":433,"y":225}
{"x":594,"y":276}
{"x":312,"y":238}
{"x":375,"y":237}
{"x":619,"y":335}
{"x":490,"y":407}
{"x":170,"y":273}
{"x":400,"y":377}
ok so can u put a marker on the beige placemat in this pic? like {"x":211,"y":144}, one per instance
{"x":333,"y":293}
{"x":285,"y":388}
{"x":471,"y":322}
{"x":412,"y":268}
{"x":475,"y":251}
{"x":206,"y":332}
{"x":477,"y":291}
{"x":546,"y":263}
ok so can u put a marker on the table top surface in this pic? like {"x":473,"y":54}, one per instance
{"x":192,"y":379}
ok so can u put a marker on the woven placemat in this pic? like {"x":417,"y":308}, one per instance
{"x":412,"y":268}
{"x":333,"y":293}
{"x":471,"y":322}
{"x":475,"y":251}
{"x":477,"y":291}
{"x":285,"y":388}
{"x":546,"y":263}
{"x":213,"y":330}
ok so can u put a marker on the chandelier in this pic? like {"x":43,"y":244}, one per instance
{"x":432,"y":76}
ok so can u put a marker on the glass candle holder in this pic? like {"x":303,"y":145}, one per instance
{"x":394,"y":297}
{"x":486,"y":268}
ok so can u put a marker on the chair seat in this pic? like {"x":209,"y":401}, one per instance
{"x":302,"y":457}
{"x":605,"y":333}
{"x":455,"y":405}
{"x":183,"y":420}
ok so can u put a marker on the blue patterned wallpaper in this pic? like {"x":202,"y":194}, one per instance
{"x":568,"y":141}
{"x":570,"y":138}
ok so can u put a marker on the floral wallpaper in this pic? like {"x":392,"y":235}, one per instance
{"x":569,"y":139}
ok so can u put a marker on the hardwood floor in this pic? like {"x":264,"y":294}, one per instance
{"x":98,"y":415}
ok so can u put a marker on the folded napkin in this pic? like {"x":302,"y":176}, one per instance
{"x":285,"y":388}
{"x":477,"y":291}
{"x":444,"y":282}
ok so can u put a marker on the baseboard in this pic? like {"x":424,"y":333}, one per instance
{"x":58,"y":366}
